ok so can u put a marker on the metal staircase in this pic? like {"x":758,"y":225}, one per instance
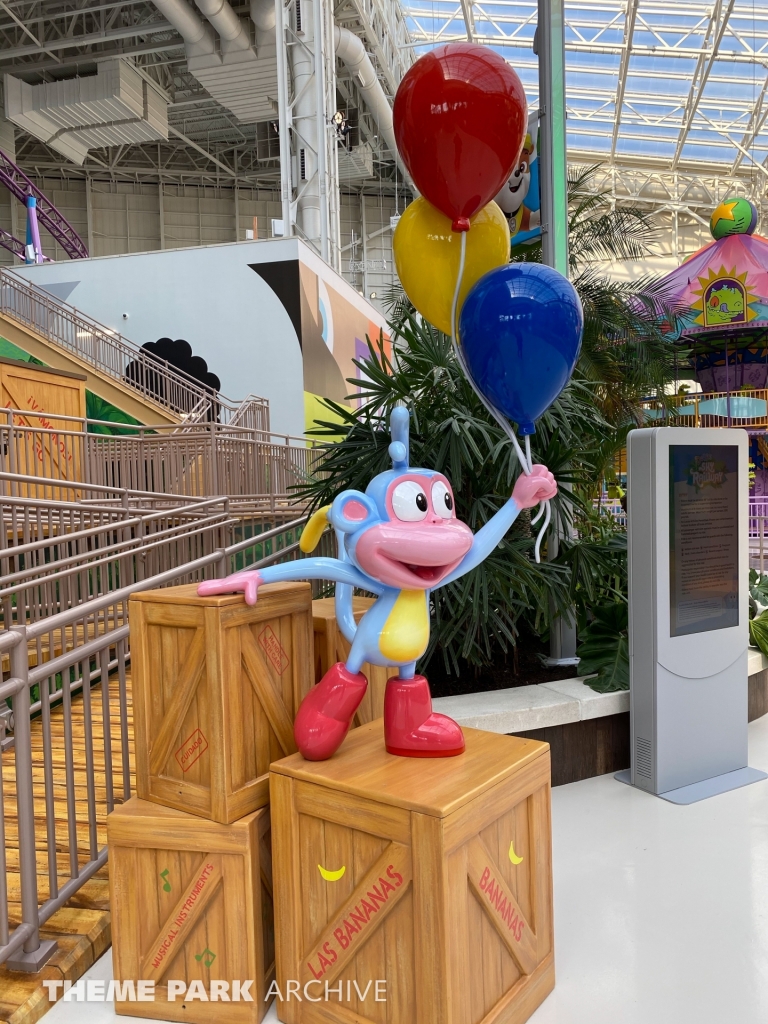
{"x":163,"y":391}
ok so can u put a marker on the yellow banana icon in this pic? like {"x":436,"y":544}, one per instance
{"x":512,"y":855}
{"x":331,"y":876}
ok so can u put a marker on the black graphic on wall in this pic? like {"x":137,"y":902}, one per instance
{"x":180,"y":359}
{"x":283,"y":278}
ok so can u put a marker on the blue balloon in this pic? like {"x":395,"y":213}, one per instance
{"x":520,"y":330}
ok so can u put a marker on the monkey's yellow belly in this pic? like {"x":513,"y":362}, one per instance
{"x":406,"y":632}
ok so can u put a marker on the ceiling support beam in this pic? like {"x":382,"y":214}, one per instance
{"x":203,"y":152}
{"x":74,"y":42}
{"x":27,"y":31}
{"x":469,"y":19}
{"x":630,"y":17}
{"x":81,"y":59}
{"x":756,"y":121}
{"x":718,"y":22}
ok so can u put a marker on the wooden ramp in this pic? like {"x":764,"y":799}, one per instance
{"x":82,"y":927}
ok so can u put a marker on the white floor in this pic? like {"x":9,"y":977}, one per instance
{"x":661,"y":912}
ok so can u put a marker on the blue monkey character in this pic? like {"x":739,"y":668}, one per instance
{"x":399,"y":540}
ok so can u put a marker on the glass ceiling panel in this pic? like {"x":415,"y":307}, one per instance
{"x":688,"y":80}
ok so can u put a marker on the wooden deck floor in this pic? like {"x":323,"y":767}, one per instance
{"x":82,"y":927}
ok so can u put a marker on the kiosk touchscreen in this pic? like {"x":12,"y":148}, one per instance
{"x":687,"y":512}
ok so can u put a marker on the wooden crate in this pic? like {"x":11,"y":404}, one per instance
{"x":191,"y":901}
{"x":216,"y":687}
{"x":446,"y":890}
{"x":330,"y":647}
{"x":49,"y":447}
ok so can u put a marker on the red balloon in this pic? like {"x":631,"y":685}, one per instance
{"x":460,"y":119}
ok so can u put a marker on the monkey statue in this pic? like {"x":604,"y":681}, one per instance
{"x":399,"y":540}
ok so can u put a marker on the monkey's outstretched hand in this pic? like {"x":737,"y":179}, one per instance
{"x":530,"y":490}
{"x":247,"y":581}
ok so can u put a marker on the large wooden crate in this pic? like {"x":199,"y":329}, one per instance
{"x":330,"y":647}
{"x":442,"y":890}
{"x":191,"y":901}
{"x":216,"y":687}
{"x":46,"y":445}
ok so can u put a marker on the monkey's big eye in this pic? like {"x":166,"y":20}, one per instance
{"x":409,"y":502}
{"x":442,"y":500}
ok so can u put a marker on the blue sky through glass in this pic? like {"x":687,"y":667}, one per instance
{"x":688,"y":81}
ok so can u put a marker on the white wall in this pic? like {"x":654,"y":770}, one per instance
{"x":210,"y":297}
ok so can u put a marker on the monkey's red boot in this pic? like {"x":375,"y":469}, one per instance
{"x":326,"y":713}
{"x":411,"y":727}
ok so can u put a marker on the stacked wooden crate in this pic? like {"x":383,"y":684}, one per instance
{"x":406,"y":891}
{"x":216,"y":687}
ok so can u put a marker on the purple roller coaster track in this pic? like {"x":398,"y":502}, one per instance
{"x":19,"y":185}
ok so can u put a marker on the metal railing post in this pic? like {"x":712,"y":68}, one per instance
{"x":12,"y":462}
{"x":34,"y":954}
{"x":761,"y":521}
{"x":214,"y":460}
{"x":222,"y":566}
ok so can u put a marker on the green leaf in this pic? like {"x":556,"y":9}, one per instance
{"x":758,"y":632}
{"x":605,"y":649}
{"x":758,"y":589}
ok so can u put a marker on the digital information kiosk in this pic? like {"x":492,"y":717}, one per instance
{"x":688,"y":504}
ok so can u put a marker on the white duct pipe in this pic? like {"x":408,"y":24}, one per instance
{"x":263,"y":15}
{"x":350,"y":49}
{"x":231,"y":30}
{"x":197,"y":36}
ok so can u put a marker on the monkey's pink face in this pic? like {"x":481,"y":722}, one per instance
{"x":422,"y":542}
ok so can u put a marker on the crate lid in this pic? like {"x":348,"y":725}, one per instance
{"x":436,"y":786}
{"x":325,"y":607}
{"x":187,"y":594}
{"x":144,"y":824}
{"x":36,"y":368}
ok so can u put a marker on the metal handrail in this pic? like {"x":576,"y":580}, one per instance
{"x":66,"y":618}
{"x":169,"y":429}
{"x":114,"y":356}
{"x":687,"y":408}
{"x":37,"y":574}
{"x":210,"y":459}
{"x":107,"y":350}
{"x":99,"y":648}
{"x":137,"y":520}
{"x":81,"y":485}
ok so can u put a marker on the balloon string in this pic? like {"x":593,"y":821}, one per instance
{"x":506,"y":426}
{"x":548,"y":515}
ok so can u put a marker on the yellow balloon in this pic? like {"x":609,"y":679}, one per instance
{"x":427,"y":256}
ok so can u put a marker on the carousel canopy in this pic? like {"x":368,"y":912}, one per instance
{"x":723,"y":288}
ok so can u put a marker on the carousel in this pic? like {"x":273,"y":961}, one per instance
{"x":720,"y":295}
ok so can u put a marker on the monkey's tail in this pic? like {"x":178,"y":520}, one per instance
{"x":308,"y":541}
{"x":314,"y":529}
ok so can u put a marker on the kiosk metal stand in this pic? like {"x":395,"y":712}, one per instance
{"x":688,"y":497}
